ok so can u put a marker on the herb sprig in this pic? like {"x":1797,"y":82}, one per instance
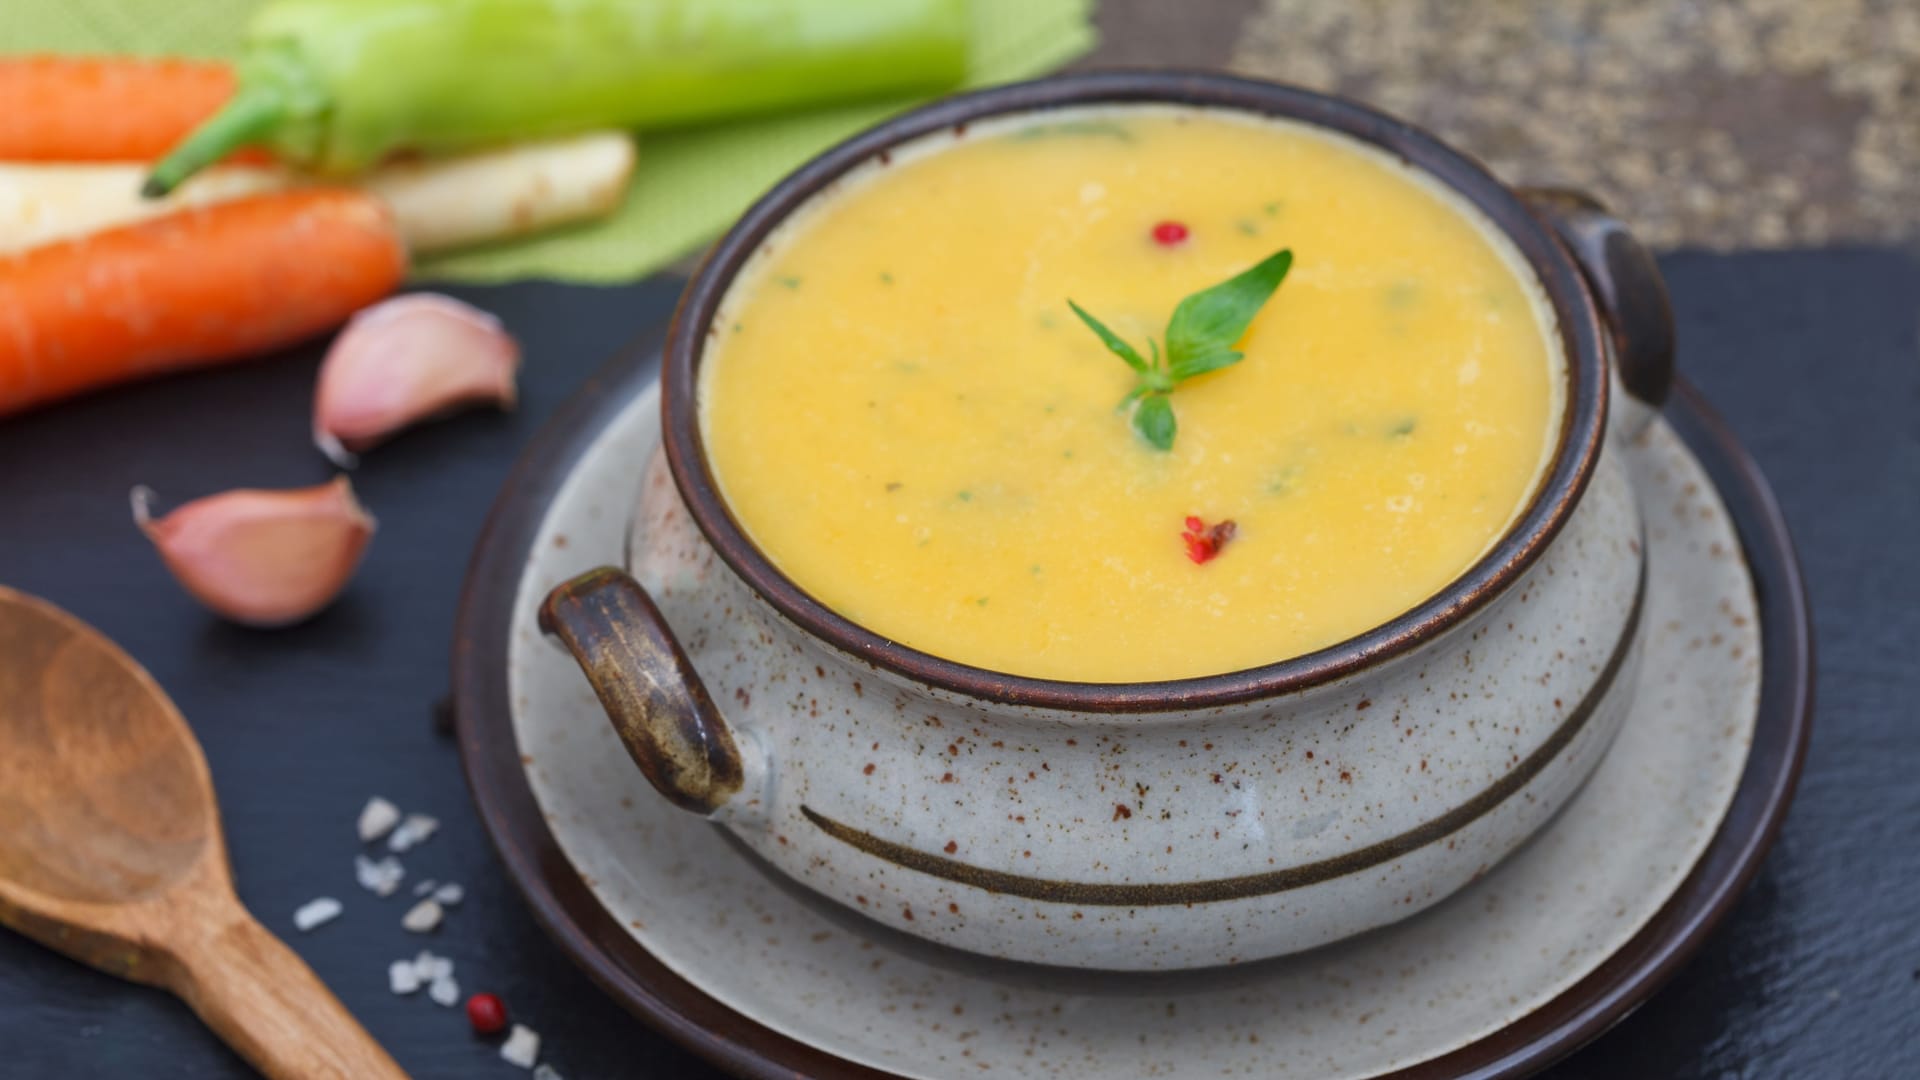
{"x":1200,"y":338}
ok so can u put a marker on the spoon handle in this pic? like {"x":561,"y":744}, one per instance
{"x":269,"y":1006}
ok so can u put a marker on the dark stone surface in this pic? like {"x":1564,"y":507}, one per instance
{"x":1812,"y":356}
{"x":1815,"y":359}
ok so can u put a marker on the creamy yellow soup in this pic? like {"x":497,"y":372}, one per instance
{"x":906,"y":417}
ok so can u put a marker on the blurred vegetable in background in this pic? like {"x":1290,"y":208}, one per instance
{"x":439,"y":204}
{"x":188,"y":289}
{"x":100,"y":286}
{"x":692,"y":182}
{"x":104,"y":108}
{"x":336,"y":85}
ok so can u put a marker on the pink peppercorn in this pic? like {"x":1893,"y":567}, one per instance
{"x":1204,"y":541}
{"x":487,"y":1013}
{"x":1169,"y":234}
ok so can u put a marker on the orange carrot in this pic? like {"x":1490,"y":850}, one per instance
{"x":86,"y":108}
{"x":188,"y":289}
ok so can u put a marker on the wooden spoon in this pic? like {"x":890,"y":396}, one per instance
{"x":111,"y":851}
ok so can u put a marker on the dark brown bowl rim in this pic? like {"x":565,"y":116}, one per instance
{"x":603,"y":947}
{"x":1578,"y":446}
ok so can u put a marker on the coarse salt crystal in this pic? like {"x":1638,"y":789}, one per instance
{"x":415,"y":829}
{"x":449,"y":894}
{"x":522,"y":1048}
{"x":430,"y":967}
{"x":444,"y":991}
{"x":546,"y":1072}
{"x":380,"y":878}
{"x":422,"y":917}
{"x":314,"y":912}
{"x":425,"y":887}
{"x":377,"y":818}
{"x":402,"y":978}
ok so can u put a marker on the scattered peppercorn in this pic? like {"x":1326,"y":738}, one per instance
{"x":487,"y":1013}
{"x":1205,"y":541}
{"x":1169,"y":234}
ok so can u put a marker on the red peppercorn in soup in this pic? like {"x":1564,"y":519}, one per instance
{"x":1130,"y":394}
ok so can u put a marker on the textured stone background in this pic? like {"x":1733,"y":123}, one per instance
{"x":1711,"y":123}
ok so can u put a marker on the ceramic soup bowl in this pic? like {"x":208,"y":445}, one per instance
{"x":1155,"y":825}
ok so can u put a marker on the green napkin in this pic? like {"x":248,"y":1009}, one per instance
{"x":689,"y":185}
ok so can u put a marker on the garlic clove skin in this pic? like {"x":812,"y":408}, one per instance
{"x":405,"y":360}
{"x":261,"y":558}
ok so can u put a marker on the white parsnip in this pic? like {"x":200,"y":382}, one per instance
{"x":42,"y":203}
{"x":439,"y":204}
{"x":448,"y":203}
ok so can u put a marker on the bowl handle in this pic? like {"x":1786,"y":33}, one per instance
{"x":657,"y":702}
{"x":1632,"y":297}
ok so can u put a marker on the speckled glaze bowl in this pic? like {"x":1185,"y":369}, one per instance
{"x":1163,"y":825}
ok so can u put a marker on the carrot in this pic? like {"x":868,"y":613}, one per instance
{"x":86,"y":108}
{"x":188,"y":289}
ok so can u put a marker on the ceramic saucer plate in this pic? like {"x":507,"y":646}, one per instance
{"x":1543,"y":953}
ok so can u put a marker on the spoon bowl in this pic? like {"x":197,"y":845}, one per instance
{"x":96,"y":751}
{"x":111,"y":850}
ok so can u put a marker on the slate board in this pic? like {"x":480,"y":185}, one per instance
{"x":1814,"y":357}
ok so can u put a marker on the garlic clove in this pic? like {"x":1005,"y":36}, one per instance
{"x":405,"y":360}
{"x":263,"y":558}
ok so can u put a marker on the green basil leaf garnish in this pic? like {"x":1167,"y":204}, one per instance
{"x":1200,"y":338}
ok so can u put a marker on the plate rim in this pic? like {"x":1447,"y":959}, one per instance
{"x":569,"y":912}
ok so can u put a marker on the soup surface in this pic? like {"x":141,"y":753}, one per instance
{"x":908,"y":419}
